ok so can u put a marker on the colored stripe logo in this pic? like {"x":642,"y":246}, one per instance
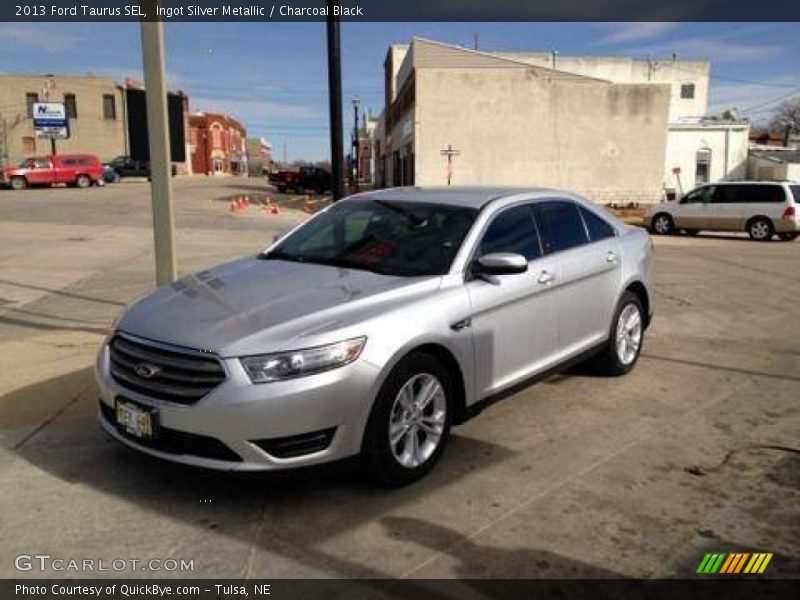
{"x":734,"y":563}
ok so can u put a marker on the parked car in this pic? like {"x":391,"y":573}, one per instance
{"x":373,"y":327}
{"x":302,"y":180}
{"x":81,"y":170}
{"x":125,"y":166}
{"x":760,"y":208}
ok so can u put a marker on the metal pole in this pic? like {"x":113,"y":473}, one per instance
{"x":335,"y":100}
{"x":158,"y":139}
{"x":356,"y":146}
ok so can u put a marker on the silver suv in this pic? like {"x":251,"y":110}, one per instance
{"x":373,"y":327}
{"x":762,"y":209}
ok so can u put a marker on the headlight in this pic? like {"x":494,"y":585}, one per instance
{"x":285,"y":365}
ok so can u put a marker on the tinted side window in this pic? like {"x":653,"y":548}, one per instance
{"x":763,"y":194}
{"x":562,"y":226}
{"x":512,"y":230}
{"x":699,"y":195}
{"x":796,"y":193}
{"x":599,"y":229}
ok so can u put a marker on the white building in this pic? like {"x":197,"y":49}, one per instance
{"x":705,"y":150}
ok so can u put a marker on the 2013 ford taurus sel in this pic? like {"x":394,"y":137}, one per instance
{"x":373,"y":327}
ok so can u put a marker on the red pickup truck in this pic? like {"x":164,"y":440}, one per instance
{"x":81,"y":170}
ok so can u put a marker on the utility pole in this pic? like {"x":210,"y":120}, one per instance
{"x":449,"y":152}
{"x":335,"y":100}
{"x":356,"y":148}
{"x":152,"y":33}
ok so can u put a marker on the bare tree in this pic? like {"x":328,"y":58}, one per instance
{"x":786,"y":118}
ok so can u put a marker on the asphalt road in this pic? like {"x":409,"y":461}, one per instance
{"x":577,"y":476}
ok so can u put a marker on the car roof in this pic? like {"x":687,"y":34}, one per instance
{"x":473,"y":197}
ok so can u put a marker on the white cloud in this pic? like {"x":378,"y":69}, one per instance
{"x":629,"y":32}
{"x":33,"y":36}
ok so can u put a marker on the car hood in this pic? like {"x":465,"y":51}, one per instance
{"x":255,"y":305}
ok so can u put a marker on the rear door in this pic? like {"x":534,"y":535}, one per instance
{"x":588,"y":251}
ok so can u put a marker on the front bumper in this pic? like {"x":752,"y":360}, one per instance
{"x":238,"y":413}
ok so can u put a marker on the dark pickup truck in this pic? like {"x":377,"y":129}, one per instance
{"x":302,"y":180}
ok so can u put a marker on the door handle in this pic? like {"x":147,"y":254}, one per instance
{"x":546,"y":277}
{"x":611,"y":257}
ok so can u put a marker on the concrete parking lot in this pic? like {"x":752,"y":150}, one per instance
{"x":577,"y":476}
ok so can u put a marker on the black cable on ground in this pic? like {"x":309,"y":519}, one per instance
{"x":701,"y":471}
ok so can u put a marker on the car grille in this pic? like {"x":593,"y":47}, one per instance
{"x":181,"y":376}
{"x":173,"y":441}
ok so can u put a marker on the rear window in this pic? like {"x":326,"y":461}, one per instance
{"x":562,"y":225}
{"x":598,"y":228}
{"x":796,"y":193}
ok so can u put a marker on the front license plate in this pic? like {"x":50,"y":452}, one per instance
{"x":135,"y":420}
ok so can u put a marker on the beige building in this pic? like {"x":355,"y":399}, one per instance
{"x":95,"y":107}
{"x":610,"y":128}
{"x":515,"y":123}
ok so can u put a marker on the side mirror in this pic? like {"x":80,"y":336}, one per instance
{"x":500,"y":263}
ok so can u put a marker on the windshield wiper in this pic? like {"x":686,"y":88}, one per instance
{"x":278,"y":255}
{"x":416,"y":220}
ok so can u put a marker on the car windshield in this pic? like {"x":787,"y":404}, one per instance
{"x":390,"y":237}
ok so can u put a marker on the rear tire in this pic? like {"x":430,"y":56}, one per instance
{"x":625,"y":338}
{"x":760,"y":229}
{"x":415,"y":406}
{"x":663,"y":224}
{"x":18,"y":183}
{"x":788,"y":237}
{"x":83,"y":181}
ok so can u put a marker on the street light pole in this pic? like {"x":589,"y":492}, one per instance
{"x":335,"y":100}
{"x":152,"y":33}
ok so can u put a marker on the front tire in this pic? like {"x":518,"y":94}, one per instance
{"x":760,"y":229}
{"x":663,"y":224}
{"x":625,"y":340}
{"x":18,"y":183}
{"x":409,"y":425}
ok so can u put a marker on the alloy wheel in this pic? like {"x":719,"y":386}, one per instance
{"x":417,"y":420}
{"x":760,"y":230}
{"x":662,"y":225}
{"x":629,"y":334}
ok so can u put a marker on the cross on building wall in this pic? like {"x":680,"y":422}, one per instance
{"x":450,"y":152}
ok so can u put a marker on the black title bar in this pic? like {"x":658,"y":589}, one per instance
{"x":401,"y":10}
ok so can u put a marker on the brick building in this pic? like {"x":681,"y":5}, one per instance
{"x":217,"y":144}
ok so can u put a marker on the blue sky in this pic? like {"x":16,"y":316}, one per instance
{"x":273,"y":76}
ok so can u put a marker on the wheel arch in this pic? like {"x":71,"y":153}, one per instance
{"x":638,"y":288}
{"x":448,"y":359}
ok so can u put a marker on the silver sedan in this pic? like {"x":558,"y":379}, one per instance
{"x":373,"y":327}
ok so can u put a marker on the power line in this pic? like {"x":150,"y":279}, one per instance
{"x":773,"y":101}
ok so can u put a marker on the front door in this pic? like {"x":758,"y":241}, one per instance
{"x":41,"y":172}
{"x":513,"y":325}
{"x":693,"y":210}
